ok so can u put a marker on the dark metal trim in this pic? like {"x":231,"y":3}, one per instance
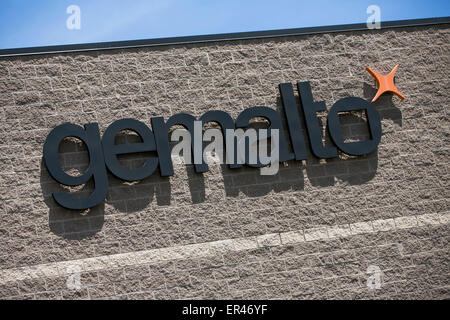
{"x":217,"y":37}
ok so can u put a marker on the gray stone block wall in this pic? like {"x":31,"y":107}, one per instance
{"x":309,"y":232}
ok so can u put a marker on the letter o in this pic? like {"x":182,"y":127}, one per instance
{"x":373,"y":120}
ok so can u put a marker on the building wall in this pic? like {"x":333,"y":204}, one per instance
{"x":311,"y":231}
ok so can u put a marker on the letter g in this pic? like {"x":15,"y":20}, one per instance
{"x":90,"y":135}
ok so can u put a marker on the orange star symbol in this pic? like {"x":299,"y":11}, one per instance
{"x":385,"y":83}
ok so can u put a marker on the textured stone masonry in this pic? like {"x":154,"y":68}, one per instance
{"x":309,"y":232}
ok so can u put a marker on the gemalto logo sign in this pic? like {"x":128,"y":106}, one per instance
{"x":103,"y":151}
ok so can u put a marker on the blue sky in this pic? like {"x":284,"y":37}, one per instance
{"x":29,"y":23}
